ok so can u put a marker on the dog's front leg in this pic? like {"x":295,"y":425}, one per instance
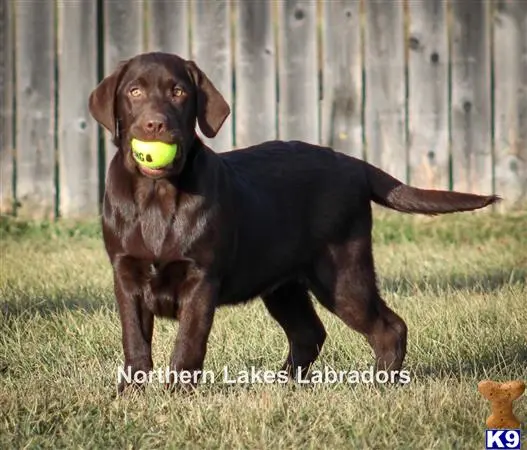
{"x":197,"y":302}
{"x":137,"y":323}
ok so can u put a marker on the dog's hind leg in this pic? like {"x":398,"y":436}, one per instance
{"x":343,"y":280}
{"x":291,"y":306}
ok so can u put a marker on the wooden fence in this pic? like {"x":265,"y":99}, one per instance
{"x":433,"y":91}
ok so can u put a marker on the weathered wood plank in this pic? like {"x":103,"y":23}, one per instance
{"x":428,"y":144}
{"x":35,"y":115}
{"x":123,"y":39}
{"x":298,"y":71}
{"x":510,"y":101}
{"x":471,"y":95}
{"x":77,"y":133}
{"x":255,"y":102}
{"x":211,"y":50}
{"x":385,"y":87}
{"x":168,"y":26}
{"x":6,"y":110}
{"x":342,"y":77}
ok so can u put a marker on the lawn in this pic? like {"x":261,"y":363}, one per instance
{"x":459,"y":282}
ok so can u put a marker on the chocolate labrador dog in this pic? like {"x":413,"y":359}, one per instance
{"x":276,"y":221}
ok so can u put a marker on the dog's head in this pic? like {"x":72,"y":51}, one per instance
{"x":158,"y":97}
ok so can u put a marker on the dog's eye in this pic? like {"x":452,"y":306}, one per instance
{"x":135,"y":92}
{"x":177,"y":92}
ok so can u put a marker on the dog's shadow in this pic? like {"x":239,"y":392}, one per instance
{"x":90,"y":300}
{"x":438,"y":284}
{"x":504,"y":360}
{"x":27,"y":306}
{"x":497,"y":362}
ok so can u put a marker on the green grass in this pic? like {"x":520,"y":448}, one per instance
{"x":459,"y":282}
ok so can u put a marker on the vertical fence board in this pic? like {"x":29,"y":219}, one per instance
{"x":298,"y":71}
{"x":342,"y":77}
{"x":35,"y":121}
{"x":510,"y":101}
{"x":6,"y":110}
{"x":77,"y":133}
{"x":428,"y":143}
{"x":471,"y":94}
{"x":255,"y":97}
{"x":123,"y":39}
{"x":385,"y":86}
{"x":211,"y":50}
{"x":168,"y":27}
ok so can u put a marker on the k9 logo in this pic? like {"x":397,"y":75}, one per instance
{"x":502,"y":439}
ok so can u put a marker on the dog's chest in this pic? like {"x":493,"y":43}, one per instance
{"x":156,"y":218}
{"x":154,"y":228}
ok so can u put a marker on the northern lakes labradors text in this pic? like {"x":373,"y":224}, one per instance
{"x":253,"y":375}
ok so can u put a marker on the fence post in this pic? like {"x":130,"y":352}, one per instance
{"x":211,"y":49}
{"x":255,"y":60}
{"x":342,"y":98}
{"x":35,"y":117}
{"x":77,"y":131}
{"x":123,"y":39}
{"x":510,"y":101}
{"x":471,"y":95}
{"x":428,"y":140}
{"x":6,"y":113}
{"x":298,"y":71}
{"x":167,"y":23}
{"x":385,"y":87}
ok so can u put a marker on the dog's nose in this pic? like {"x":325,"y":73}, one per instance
{"x":156,"y":124}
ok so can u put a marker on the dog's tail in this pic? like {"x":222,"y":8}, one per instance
{"x":392,"y":193}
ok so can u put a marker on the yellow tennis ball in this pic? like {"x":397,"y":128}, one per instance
{"x":153,"y":154}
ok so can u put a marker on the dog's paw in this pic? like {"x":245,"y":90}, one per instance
{"x":182,"y":381}
{"x":124,"y":388}
{"x":181,"y":388}
{"x":134,"y":377}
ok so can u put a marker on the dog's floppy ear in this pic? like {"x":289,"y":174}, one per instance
{"x":212,"y":107}
{"x":102,"y":99}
